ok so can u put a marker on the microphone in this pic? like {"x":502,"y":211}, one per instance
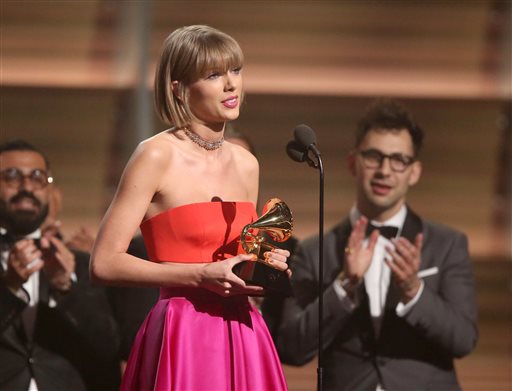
{"x":299,"y":154}
{"x":296,"y":151}
{"x":306,"y":137}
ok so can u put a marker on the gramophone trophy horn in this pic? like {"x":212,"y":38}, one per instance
{"x":260,"y":236}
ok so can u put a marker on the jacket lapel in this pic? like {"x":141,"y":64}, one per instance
{"x":412,"y":227}
{"x":14,"y":336}
{"x":44,"y":288}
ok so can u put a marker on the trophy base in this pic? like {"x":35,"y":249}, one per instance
{"x":258,"y":273}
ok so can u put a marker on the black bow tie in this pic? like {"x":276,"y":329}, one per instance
{"x":388,"y":231}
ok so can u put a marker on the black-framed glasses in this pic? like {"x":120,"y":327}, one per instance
{"x":14,"y":178}
{"x":373,"y":158}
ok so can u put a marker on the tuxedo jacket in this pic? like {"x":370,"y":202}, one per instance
{"x":414,"y":352}
{"x":74,"y":344}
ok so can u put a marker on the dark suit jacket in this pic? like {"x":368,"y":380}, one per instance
{"x":74,"y":344}
{"x":414,"y":352}
{"x":272,"y":305}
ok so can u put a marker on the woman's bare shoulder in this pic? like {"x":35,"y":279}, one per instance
{"x":157,"y":149}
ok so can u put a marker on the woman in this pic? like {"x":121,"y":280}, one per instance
{"x":193,"y":193}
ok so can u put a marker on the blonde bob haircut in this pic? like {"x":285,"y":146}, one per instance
{"x":188,"y":54}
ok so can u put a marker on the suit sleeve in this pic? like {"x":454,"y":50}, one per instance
{"x":85,"y":309}
{"x":272,"y":305}
{"x":10,"y":306}
{"x":446,"y":315}
{"x":297,"y":340}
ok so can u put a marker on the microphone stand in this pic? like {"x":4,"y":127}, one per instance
{"x":320,"y":276}
{"x":298,"y":150}
{"x":319,"y":164}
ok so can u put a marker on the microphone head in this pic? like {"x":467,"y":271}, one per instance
{"x":304,"y":135}
{"x":296,"y":151}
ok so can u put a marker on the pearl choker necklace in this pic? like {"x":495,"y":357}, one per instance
{"x":208,"y":145}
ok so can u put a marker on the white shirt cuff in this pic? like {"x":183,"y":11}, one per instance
{"x":403,"y":309}
{"x":52,"y":303}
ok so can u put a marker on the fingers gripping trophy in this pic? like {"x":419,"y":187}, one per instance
{"x":275,"y":223}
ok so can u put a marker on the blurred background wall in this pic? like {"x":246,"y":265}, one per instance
{"x":76,"y":80}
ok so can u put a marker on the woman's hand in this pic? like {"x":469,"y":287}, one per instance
{"x":278,"y":258}
{"x":219,"y":277}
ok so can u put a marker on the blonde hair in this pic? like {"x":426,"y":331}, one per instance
{"x":187,"y":54}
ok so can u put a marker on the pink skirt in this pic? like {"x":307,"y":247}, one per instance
{"x":195,"y":340}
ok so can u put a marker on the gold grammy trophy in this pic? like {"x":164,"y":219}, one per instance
{"x":275,"y":225}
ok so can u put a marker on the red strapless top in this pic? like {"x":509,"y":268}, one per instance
{"x":199,"y":232}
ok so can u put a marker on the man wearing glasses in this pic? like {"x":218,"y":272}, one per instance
{"x":56,"y":330}
{"x":399,"y":301}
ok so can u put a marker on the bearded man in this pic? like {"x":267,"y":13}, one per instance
{"x":56,"y":329}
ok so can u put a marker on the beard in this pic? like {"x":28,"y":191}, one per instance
{"x":21,"y":222}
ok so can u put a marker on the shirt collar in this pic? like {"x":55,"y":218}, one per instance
{"x":396,"y":220}
{"x":34,"y":235}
